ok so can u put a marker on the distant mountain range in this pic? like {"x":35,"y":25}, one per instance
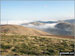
{"x":49,"y":22}
{"x":37,"y":23}
{"x":46,"y":21}
{"x":63,"y":27}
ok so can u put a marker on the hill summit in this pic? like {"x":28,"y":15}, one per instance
{"x":17,"y":29}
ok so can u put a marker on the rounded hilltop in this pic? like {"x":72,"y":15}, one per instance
{"x":21,"y":30}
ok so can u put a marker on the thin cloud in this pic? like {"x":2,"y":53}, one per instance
{"x":14,"y":22}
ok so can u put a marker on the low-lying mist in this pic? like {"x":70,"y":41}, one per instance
{"x":54,"y":28}
{"x":41,"y":26}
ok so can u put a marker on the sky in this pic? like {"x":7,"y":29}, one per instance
{"x":25,"y":11}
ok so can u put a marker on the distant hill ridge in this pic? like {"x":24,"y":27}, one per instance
{"x":70,"y":21}
{"x":17,"y":29}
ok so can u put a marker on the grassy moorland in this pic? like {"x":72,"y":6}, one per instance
{"x":34,"y":45}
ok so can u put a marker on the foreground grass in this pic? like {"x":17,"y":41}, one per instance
{"x":34,"y":45}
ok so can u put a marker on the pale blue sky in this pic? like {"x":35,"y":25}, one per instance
{"x":36,"y":10}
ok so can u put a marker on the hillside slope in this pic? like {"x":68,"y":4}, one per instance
{"x":17,"y":29}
